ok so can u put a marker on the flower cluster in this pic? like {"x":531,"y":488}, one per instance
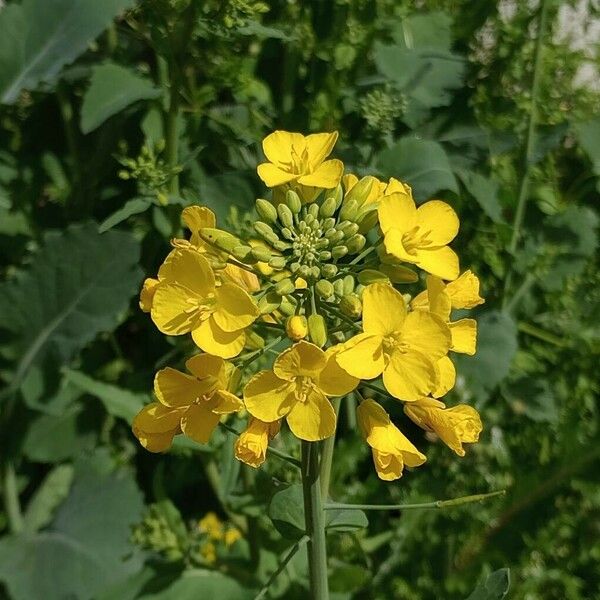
{"x":327,"y":281}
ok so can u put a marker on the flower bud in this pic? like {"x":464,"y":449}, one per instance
{"x":351,"y":306}
{"x":369,"y":276}
{"x":317,"y":330}
{"x":349,"y":284}
{"x":277,"y":262}
{"x":221,"y":239}
{"x":399,"y":273}
{"x":309,"y":219}
{"x":261,"y":254}
{"x":269,"y":303}
{"x":264,"y":230}
{"x":349,"y":209}
{"x":348,"y":228}
{"x":339,"y":252}
{"x":329,"y":233}
{"x":287,"y":233}
{"x":284,"y":287}
{"x":243,"y":254}
{"x":337,"y":194}
{"x":296,"y":327}
{"x":328,"y":271}
{"x":338,"y":286}
{"x":313,"y":210}
{"x":328,"y":223}
{"x":328,"y":207}
{"x":285,"y":216}
{"x":253,"y":340}
{"x":279,"y":245}
{"x":324,"y":255}
{"x":287,"y":308}
{"x":314,"y":272}
{"x":324,"y":288}
{"x":304,"y":271}
{"x":293,"y":202}
{"x":266,"y":211}
{"x":356,"y":243}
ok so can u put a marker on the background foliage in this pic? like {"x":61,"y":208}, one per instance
{"x":117,"y":113}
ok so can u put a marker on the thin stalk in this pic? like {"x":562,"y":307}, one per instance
{"x":327,"y":455}
{"x":253,"y":538}
{"x":315,"y":521}
{"x":540,"y":334}
{"x":421,"y":505}
{"x":172,"y":132}
{"x":12,"y":505}
{"x":530,"y":141}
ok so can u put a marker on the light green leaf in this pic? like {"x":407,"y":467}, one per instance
{"x":495,"y":586}
{"x":52,"y":491}
{"x":346,"y":519}
{"x":38,"y":37}
{"x":113,"y":88}
{"x":78,"y":284}
{"x":485,"y":191}
{"x":132,"y":207}
{"x":287,"y":512}
{"x":422,"y":163}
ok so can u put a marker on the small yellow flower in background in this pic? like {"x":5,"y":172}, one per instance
{"x":420,"y":235}
{"x":251,"y":446}
{"x":232,"y":535}
{"x":209,"y":553}
{"x":391,"y":449}
{"x":298,"y":162}
{"x":454,"y":426}
{"x":189,"y":404}
{"x":297,"y":389}
{"x":212,"y":526}
{"x":188,"y":300}
{"x":404,"y":346}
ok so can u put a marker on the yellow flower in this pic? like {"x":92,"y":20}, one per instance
{"x":232,"y":536}
{"x":251,"y":446}
{"x":405,"y":347}
{"x":147,"y":293}
{"x":420,"y":235}
{"x":298,"y":161}
{"x":211,"y":525}
{"x":463,"y":293}
{"x":192,"y":404}
{"x":188,"y":300}
{"x":454,"y":426}
{"x":391,"y":449}
{"x":297,"y":389}
{"x":209,"y":553}
{"x":376,"y":190}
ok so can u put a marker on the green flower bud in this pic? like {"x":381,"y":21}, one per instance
{"x":349,"y":209}
{"x":313,"y":210}
{"x":261,"y":254}
{"x":329,"y":233}
{"x":360,"y":192}
{"x":293,"y":201}
{"x":254,"y":342}
{"x":328,"y":207}
{"x":304,"y":272}
{"x":317,"y":330}
{"x":399,"y":274}
{"x":285,"y":216}
{"x":266,"y":211}
{"x":314,"y":272}
{"x":322,"y":244}
{"x":287,"y":308}
{"x":337,"y":194}
{"x":294,"y":267}
{"x":336,"y":238}
{"x":236,"y":374}
{"x":243,"y":254}
{"x":338,"y":286}
{"x":338,"y":252}
{"x":369,"y":276}
{"x":351,"y":306}
{"x":350,"y":229}
{"x":349,"y":283}
{"x":302,"y":226}
{"x":264,"y":230}
{"x":309,"y":218}
{"x":221,"y":239}
{"x":287,"y":233}
{"x":296,"y":327}
{"x":269,"y":303}
{"x":284,"y":287}
{"x":281,"y":246}
{"x":329,"y":271}
{"x":328,"y":224}
{"x":324,"y":255}
{"x":277,"y":262}
{"x":356,"y":243}
{"x":367,"y":221}
{"x":324,"y":288}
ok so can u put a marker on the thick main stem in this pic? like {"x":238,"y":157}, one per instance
{"x":314,"y":517}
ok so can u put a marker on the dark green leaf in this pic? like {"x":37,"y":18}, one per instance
{"x":588,"y":134}
{"x":495,"y":586}
{"x":485,"y":191}
{"x":346,"y":519}
{"x":534,"y":398}
{"x":287,"y":512}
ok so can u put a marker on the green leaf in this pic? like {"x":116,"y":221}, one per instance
{"x":77,"y":286}
{"x":485,"y":191}
{"x":37,"y":38}
{"x":422,"y":163}
{"x":118,"y":402}
{"x":588,"y":135}
{"x":52,"y":491}
{"x":135,"y":206}
{"x":495,"y":586}
{"x":113,"y":88}
{"x":286,"y":510}
{"x":496,"y":348}
{"x":345,"y":519}
{"x":534,"y":398}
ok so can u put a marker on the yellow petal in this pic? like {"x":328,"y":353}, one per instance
{"x":420,"y":301}
{"x":319,"y":147}
{"x":147,"y":294}
{"x":394,"y":246}
{"x":195,"y":218}
{"x":445,"y":377}
{"x":267,"y":397}
{"x":442,"y":262}
{"x":189,"y":268}
{"x":326,"y":176}
{"x":303,"y":359}
{"x":439,"y":220}
{"x":278,"y":146}
{"x":409,"y":375}
{"x":389,"y":467}
{"x":176,"y":389}
{"x":198,"y":423}
{"x":397,"y":211}
{"x":384,"y":309}
{"x":226,"y":403}
{"x":273,"y":176}
{"x":464,"y":291}
{"x":395,"y":185}
{"x":155,"y":442}
{"x":426,"y":333}
{"x":246,"y":280}
{"x":349,"y":180}
{"x":333,"y":380}
{"x":235,"y":308}
{"x":156,"y":418}
{"x":464,"y":336}
{"x":212,"y":339}
{"x":251,"y":446}
{"x":172,"y":309}
{"x":362,"y":356}
{"x":313,"y":419}
{"x":439,"y":301}
{"x":206,"y":366}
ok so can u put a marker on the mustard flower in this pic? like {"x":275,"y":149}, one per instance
{"x":251,"y":446}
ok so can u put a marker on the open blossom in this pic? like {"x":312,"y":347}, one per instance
{"x":454,"y":426}
{"x":420,"y":235}
{"x":391,"y":449}
{"x":403,"y":346}
{"x":189,"y":404}
{"x":251,"y":446}
{"x":297,"y":388}
{"x":187,"y":299}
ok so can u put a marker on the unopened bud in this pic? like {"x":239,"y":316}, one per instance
{"x":317,"y":330}
{"x":339,"y":252}
{"x":338,"y":286}
{"x":361,"y":190}
{"x":219,"y":238}
{"x":328,"y":271}
{"x":324,"y":288}
{"x":269,"y":303}
{"x":350,"y":229}
{"x":328,"y":224}
{"x":285,"y":287}
{"x":314,"y":272}
{"x":253,"y":340}
{"x":356,"y":243}
{"x":327,"y":209}
{"x":287,"y":233}
{"x":277,"y":262}
{"x":304,"y":271}
{"x":261,"y":254}
{"x":349,"y":284}
{"x":367,"y":220}
{"x":266,"y":211}
{"x":264,"y":230}
{"x":324,"y":255}
{"x":280,"y":245}
{"x":313,"y":210}
{"x":369,"y":276}
{"x":296,"y":327}
{"x":351,"y":306}
{"x":337,"y":194}
{"x":349,"y":209}
{"x":293,"y":202}
{"x":399,"y":273}
{"x":287,"y":308}
{"x":285,"y":215}
{"x":243,"y":254}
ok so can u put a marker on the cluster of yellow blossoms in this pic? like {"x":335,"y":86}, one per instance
{"x":321,"y":271}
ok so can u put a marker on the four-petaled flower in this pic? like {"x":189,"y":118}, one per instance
{"x":251,"y":446}
{"x":297,"y":389}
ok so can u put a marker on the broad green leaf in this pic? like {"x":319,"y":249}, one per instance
{"x":422,"y":163}
{"x":485,"y":191}
{"x":345,"y":519}
{"x":588,"y":134}
{"x":113,"y":88}
{"x":286,"y":510}
{"x":495,"y":586}
{"x":78,"y":285}
{"x":135,"y":206}
{"x":51,"y":492}
{"x":118,"y":402}
{"x":534,"y":398}
{"x":38,"y":37}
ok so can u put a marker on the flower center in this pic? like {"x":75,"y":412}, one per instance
{"x":201,"y":307}
{"x":304,"y":386}
{"x":414,"y":239}
{"x":394,"y":343}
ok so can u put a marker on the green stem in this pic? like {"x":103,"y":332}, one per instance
{"x":172,"y":132}
{"x":327,"y":455}
{"x":248,"y":477}
{"x":530,"y":141}
{"x":540,"y":334}
{"x":11,"y":499}
{"x":422,"y":505}
{"x":315,"y":521}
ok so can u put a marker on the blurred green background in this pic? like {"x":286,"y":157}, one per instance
{"x":115,"y":114}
